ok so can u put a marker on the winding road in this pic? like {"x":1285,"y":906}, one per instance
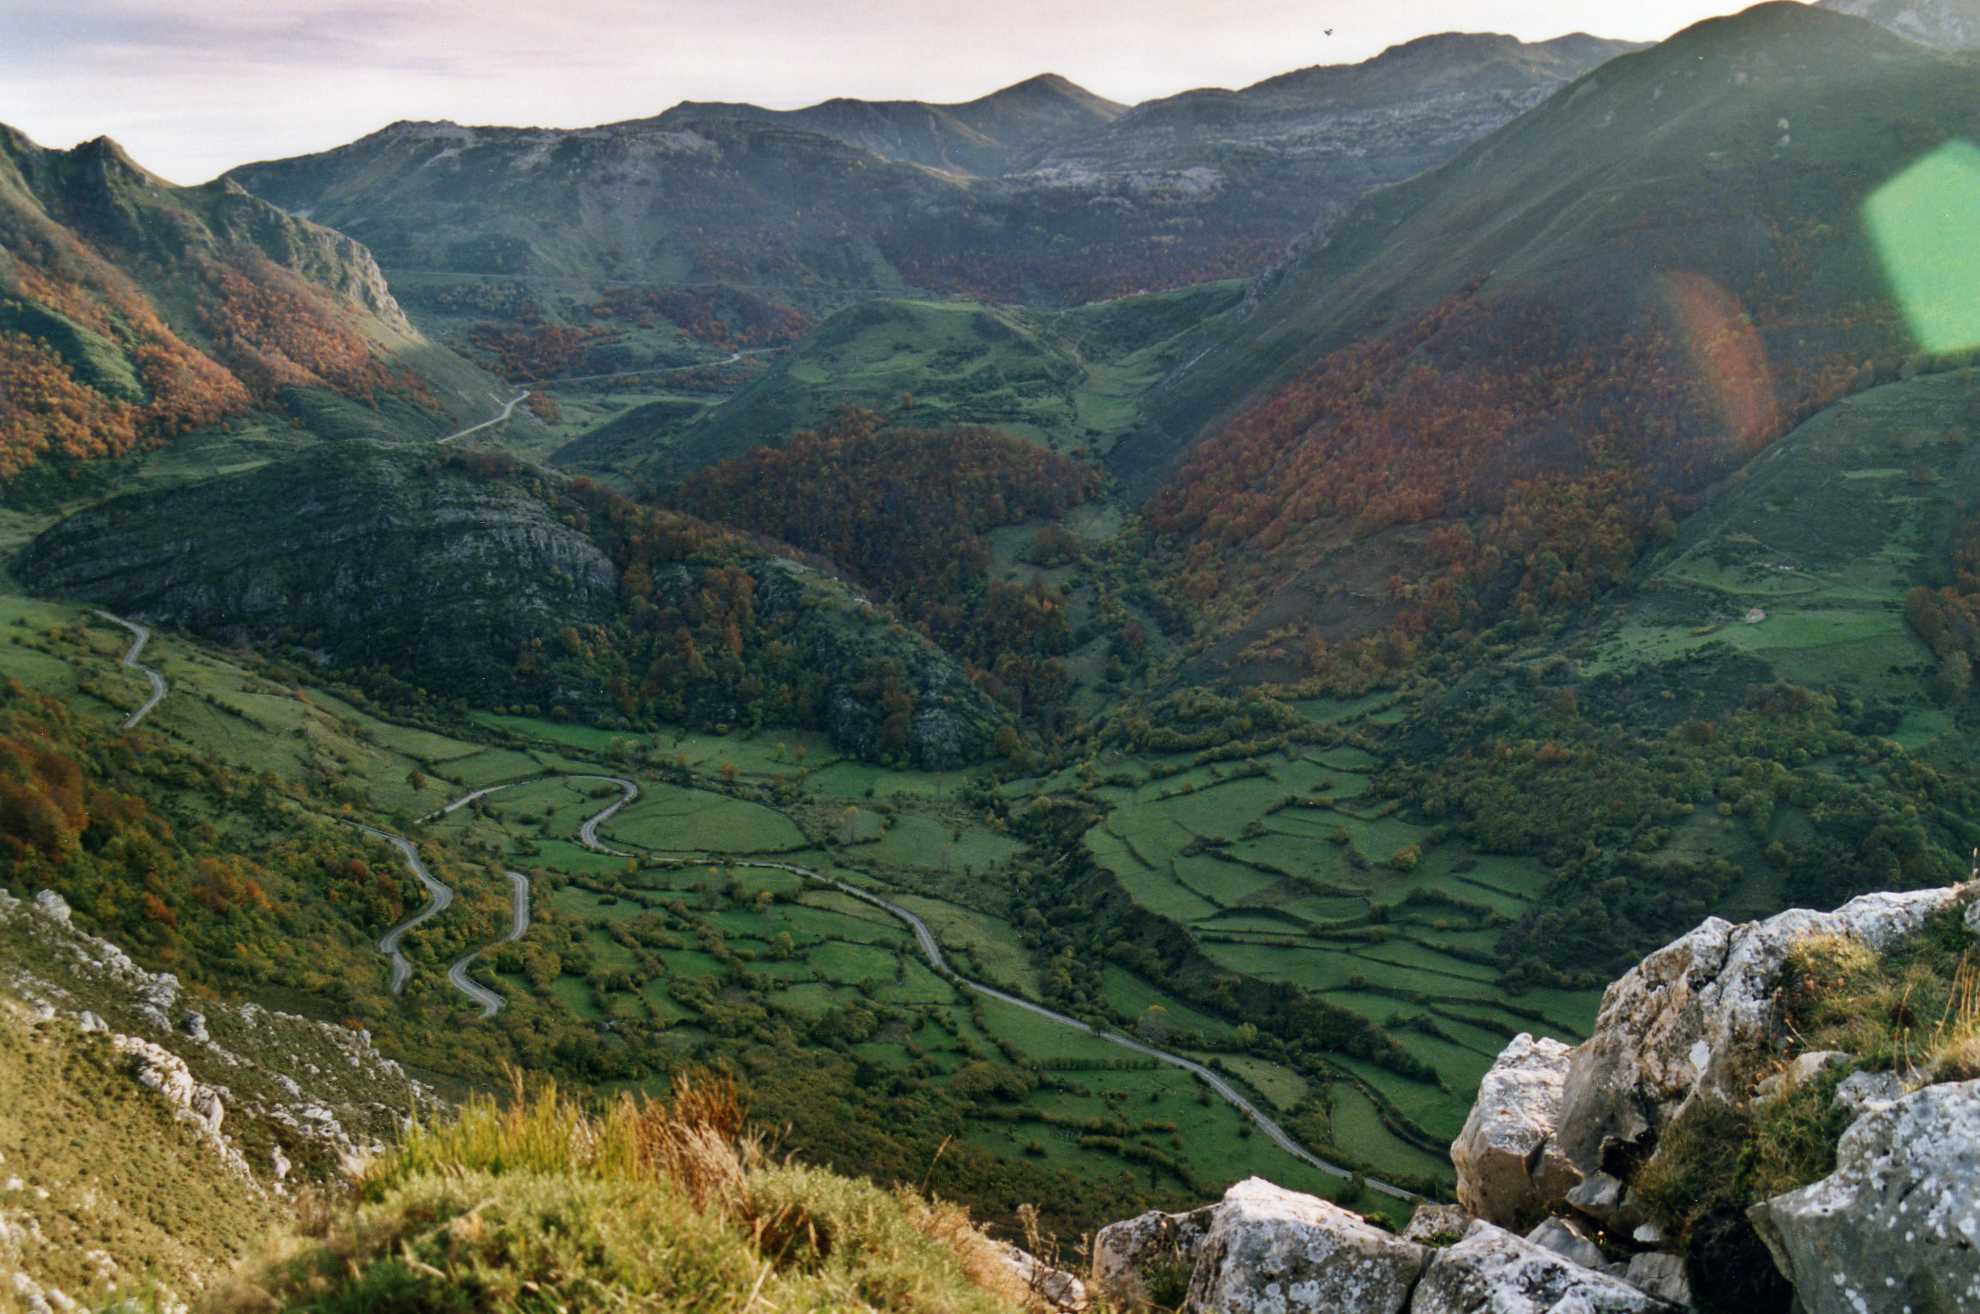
{"x":932,"y":951}
{"x":139,"y":635}
{"x":507,"y":411}
{"x":440,"y":897}
{"x":491,"y":1003}
{"x":588,"y":832}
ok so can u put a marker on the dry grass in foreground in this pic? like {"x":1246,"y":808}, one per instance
{"x":538,"y":1205}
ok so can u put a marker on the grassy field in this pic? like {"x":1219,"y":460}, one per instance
{"x":1269,"y":890}
{"x":1804,"y":562}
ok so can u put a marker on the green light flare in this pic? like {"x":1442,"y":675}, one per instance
{"x":1925,"y":224}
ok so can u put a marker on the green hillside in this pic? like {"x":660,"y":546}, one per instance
{"x":1068,"y":380}
{"x":1485,"y":393}
{"x":465,"y":579}
{"x":1671,"y":159}
{"x":1804,"y":562}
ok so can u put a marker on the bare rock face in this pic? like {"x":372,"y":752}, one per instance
{"x":1947,"y":24}
{"x":1148,"y":1256}
{"x":1492,"y":1271}
{"x":1896,"y":1228}
{"x":1272,"y":1251}
{"x":1662,"y":1274}
{"x":1508,"y":1170}
{"x":1673,"y":1027}
{"x":1567,"y":1241}
{"x":1437,"y":1224}
{"x":1051,"y":1287}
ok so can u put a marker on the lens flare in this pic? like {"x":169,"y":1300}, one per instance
{"x":1727,"y":355}
{"x":1925,"y":224}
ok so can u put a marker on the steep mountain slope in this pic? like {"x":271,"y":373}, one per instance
{"x":1948,"y":24}
{"x":993,"y":134}
{"x":198,"y":1117}
{"x":131,"y":310}
{"x":1805,"y":561}
{"x":1589,"y":316}
{"x":470,"y":576}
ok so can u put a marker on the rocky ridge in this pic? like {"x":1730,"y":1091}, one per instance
{"x":1946,"y":24}
{"x":328,"y":1098}
{"x":265,"y":1101}
{"x":1555,"y":1161}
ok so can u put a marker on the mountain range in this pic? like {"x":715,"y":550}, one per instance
{"x":1041,"y":192}
{"x":1065,"y":655}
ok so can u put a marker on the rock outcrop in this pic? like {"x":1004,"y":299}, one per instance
{"x":1150,"y":1256}
{"x":1567,"y":1134}
{"x":320,"y":1095}
{"x":204,"y":1119}
{"x":1260,"y":1250}
{"x":1507,"y":1168}
{"x":1272,"y":1251}
{"x":1051,"y":1287}
{"x":1681,"y":1024}
{"x":1896,"y":1228}
{"x":1491,"y":1270}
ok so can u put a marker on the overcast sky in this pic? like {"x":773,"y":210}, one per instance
{"x":193,"y":87}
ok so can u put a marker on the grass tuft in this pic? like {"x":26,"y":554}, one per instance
{"x":535,"y":1203}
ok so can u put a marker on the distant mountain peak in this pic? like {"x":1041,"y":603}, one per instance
{"x":107,"y":151}
{"x":1946,"y":24}
{"x":1052,"y":84}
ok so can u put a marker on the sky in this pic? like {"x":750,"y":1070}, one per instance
{"x":193,"y":87}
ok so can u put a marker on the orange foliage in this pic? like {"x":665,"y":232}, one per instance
{"x":533,"y":349}
{"x":1525,"y":445}
{"x":729,"y":318}
{"x":44,"y":407}
{"x":41,"y":799}
{"x":904,"y":511}
{"x":278,"y":331}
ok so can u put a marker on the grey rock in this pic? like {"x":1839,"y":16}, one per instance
{"x":1598,"y":1195}
{"x":1671,"y":1029}
{"x":1493,"y":1271}
{"x":1804,"y":1069}
{"x":1649,"y":1234}
{"x":1273,"y":1251}
{"x":1507,"y":1170}
{"x":1859,"y":1091}
{"x":1896,"y":1228}
{"x":1661,"y":1274}
{"x":52,"y":905}
{"x":1557,"y":1235}
{"x":1052,"y":1287}
{"x":1437,"y":1224}
{"x":1152,"y":1254}
{"x":194,"y":1025}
